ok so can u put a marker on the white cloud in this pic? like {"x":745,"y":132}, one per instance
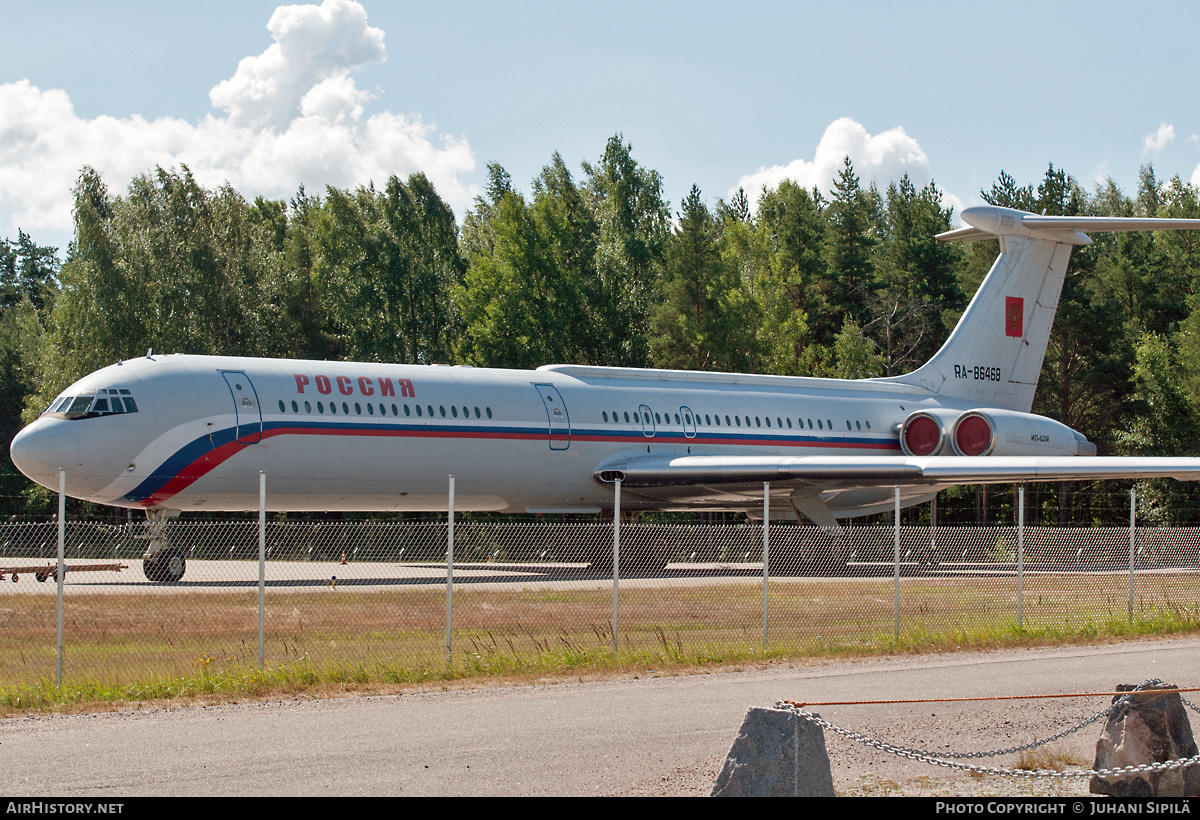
{"x":882,"y":158}
{"x":293,"y":115}
{"x":1154,"y":143}
{"x":314,"y":45}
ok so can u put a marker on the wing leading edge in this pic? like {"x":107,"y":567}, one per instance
{"x":872,"y":471}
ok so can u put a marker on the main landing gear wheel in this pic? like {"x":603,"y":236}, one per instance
{"x":165,"y":568}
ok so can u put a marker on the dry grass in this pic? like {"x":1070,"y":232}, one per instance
{"x":208,"y":641}
{"x":1049,"y":760}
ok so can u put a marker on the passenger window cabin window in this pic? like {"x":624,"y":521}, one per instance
{"x":281,"y":410}
{"x":307,"y":407}
{"x":320,"y":407}
{"x":476,"y":412}
{"x":454,"y":411}
{"x":489,"y":412}
{"x":333,"y":408}
{"x":295,"y":407}
{"x":345,"y":408}
{"x":357,"y":409}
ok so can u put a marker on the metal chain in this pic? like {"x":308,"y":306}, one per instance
{"x":946,"y":760}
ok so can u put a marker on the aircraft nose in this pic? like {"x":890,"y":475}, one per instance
{"x":42,"y":448}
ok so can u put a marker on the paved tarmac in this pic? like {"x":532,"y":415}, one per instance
{"x":649,"y":735}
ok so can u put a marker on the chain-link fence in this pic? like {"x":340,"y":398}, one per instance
{"x":376,"y":596}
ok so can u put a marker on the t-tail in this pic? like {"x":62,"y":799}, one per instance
{"x":994,"y":356}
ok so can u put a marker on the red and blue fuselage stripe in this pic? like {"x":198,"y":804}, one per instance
{"x":204,"y":454}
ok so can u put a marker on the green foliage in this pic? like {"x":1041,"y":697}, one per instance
{"x":384,"y":266}
{"x":634,"y":225}
{"x":592,"y":271}
{"x":704,"y":321}
{"x":1164,"y":425}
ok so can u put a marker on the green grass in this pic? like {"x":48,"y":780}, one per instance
{"x":145,"y":648}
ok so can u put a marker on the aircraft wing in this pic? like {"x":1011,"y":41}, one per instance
{"x":872,"y":471}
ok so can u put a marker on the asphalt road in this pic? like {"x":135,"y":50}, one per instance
{"x":650,"y":735}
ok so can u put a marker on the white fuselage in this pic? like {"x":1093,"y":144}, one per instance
{"x":197,"y":432}
{"x":354,"y":436}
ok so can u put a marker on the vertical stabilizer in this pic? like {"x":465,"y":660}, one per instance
{"x":994,"y":356}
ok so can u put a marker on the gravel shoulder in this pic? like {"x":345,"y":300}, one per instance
{"x":649,"y":735}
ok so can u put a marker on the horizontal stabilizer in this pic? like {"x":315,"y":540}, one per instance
{"x":990,"y":221}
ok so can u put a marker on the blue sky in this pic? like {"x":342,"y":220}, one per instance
{"x":712,"y":94}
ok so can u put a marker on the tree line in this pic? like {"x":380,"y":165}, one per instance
{"x":593,"y":267}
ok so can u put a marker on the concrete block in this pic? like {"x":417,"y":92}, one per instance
{"x":1151,"y":727}
{"x":776,"y":754}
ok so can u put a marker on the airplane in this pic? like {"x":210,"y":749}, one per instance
{"x":173,"y":433}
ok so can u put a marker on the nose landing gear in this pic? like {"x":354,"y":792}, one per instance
{"x":161,"y":563}
{"x":167,"y":567}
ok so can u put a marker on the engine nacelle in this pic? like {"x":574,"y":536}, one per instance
{"x":927,"y":432}
{"x":991,"y":432}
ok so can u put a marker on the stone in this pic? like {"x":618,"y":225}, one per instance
{"x":776,"y":754}
{"x":1149,"y":728}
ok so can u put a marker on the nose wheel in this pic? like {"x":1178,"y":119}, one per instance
{"x":166,"y":567}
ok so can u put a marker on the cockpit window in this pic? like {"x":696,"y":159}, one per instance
{"x":81,"y":404}
{"x":86,"y":404}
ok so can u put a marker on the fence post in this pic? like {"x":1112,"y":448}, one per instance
{"x":766,"y":556}
{"x":60,"y":574}
{"x":1132,"y":539}
{"x":262,"y":565}
{"x":616,"y":557}
{"x":449,"y":571}
{"x":933,"y":528}
{"x":896,"y":579}
{"x":1020,"y":556}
